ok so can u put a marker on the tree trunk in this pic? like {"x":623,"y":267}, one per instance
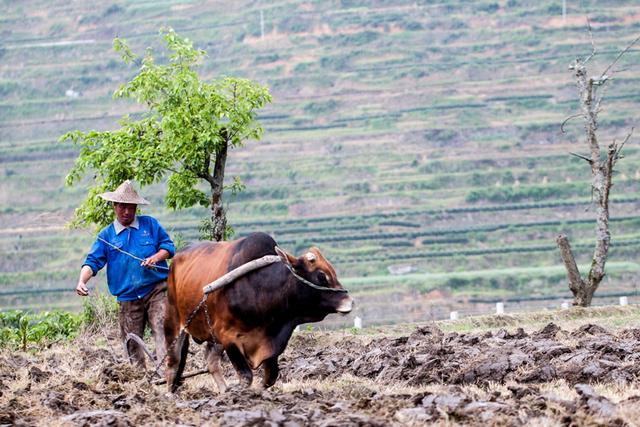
{"x":601,"y":175}
{"x":218,"y":215}
{"x":601,"y":181}
{"x":582,"y":292}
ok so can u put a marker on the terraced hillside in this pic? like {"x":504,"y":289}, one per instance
{"x":411,"y":134}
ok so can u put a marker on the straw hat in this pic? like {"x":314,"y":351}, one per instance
{"x":125,"y":193}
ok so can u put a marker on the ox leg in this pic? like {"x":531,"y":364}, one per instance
{"x":213,"y":354}
{"x":240,"y":364}
{"x":176,"y":360}
{"x":271,"y":371}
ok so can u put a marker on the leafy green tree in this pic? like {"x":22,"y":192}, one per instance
{"x":184,"y":135}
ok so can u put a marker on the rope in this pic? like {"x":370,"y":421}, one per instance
{"x":313,"y":285}
{"x":254,"y":265}
{"x":239,"y":272}
{"x":129,"y":254}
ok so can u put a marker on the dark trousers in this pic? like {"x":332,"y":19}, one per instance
{"x":134,"y":316}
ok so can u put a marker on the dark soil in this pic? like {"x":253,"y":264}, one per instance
{"x":587,"y":355}
{"x":509,"y":378}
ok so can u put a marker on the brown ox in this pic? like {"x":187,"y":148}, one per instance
{"x":252,"y":318}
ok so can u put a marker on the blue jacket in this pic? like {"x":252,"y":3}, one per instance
{"x":128,"y":280}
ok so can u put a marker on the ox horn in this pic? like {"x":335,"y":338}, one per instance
{"x":285,"y":257}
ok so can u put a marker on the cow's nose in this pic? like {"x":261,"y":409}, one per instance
{"x":346,"y":305}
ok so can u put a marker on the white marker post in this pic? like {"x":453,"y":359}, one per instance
{"x":499,"y":308}
{"x":357,"y":323}
{"x":624,"y":301}
{"x":453,"y":315}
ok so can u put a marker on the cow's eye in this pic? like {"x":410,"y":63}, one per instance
{"x":322,"y":279}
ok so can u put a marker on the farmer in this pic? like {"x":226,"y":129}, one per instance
{"x":139,"y":284}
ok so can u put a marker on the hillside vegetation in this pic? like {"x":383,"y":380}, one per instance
{"x":408,"y":133}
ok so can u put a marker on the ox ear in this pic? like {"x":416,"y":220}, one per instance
{"x":286,"y":257}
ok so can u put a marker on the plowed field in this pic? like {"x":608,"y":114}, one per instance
{"x":548,"y":376}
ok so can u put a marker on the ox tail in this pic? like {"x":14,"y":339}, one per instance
{"x":171,"y":283}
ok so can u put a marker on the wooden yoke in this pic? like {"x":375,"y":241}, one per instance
{"x":239,"y":272}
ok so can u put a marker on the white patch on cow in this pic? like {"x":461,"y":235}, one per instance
{"x":345,"y":306}
{"x":311,"y":257}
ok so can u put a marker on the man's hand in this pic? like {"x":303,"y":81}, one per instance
{"x":82,"y":289}
{"x":85,"y":274}
{"x":159,"y":256}
{"x":149,"y":262}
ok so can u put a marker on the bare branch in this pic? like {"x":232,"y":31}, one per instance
{"x":575,"y":116}
{"x":626,"y":138}
{"x":619,"y":70}
{"x":626,"y":49}
{"x":600,"y":98}
{"x":619,"y":149}
{"x":581,"y":157}
{"x":608,"y":174}
{"x":593,"y":46}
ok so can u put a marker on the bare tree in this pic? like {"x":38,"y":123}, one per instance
{"x":601,"y":178}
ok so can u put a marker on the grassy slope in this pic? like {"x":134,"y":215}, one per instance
{"x":401,"y":133}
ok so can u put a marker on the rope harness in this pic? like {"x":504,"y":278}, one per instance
{"x":259,"y":263}
{"x":130,"y":254}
